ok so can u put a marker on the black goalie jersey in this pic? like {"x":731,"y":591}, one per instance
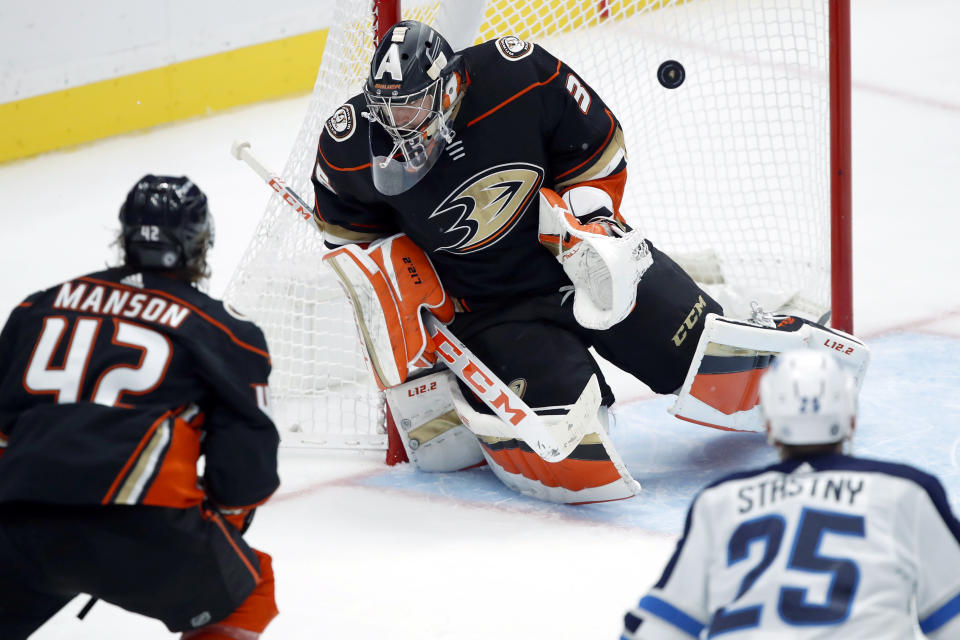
{"x":113,"y":384}
{"x":526,"y":121}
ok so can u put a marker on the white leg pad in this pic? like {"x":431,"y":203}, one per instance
{"x":429,"y":428}
{"x":721,"y":389}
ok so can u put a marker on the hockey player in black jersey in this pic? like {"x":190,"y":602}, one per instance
{"x":503,"y":165}
{"x":112,"y":386}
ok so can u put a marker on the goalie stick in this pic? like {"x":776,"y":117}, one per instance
{"x":241,"y":151}
{"x":552,"y":442}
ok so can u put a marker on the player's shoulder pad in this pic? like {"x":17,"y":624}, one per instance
{"x":39,"y":297}
{"x":224,"y":312}
{"x":344,"y":122}
{"x":31,"y":299}
{"x":509,"y":57}
{"x":506,"y":66}
{"x":213,"y":317}
{"x":241,"y":329}
{"x":929,"y":483}
{"x":512,"y":48}
{"x":343,"y":143}
{"x":748,"y":473}
{"x":347,"y":125}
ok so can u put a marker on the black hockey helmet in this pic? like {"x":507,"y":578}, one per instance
{"x":413,"y":92}
{"x":165,"y":224}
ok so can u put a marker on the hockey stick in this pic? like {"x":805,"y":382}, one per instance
{"x":241,"y":151}
{"x":552,"y":442}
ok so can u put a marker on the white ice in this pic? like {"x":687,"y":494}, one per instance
{"x":366,"y":551}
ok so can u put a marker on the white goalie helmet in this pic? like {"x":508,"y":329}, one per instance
{"x":808,"y":398}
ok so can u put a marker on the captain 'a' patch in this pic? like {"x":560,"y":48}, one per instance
{"x":513,"y":48}
{"x":342,"y":123}
{"x":487,"y":205}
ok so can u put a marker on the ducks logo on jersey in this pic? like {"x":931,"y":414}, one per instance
{"x":513,"y":48}
{"x":488,"y":205}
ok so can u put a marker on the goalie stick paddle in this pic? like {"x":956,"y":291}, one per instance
{"x":552,"y":442}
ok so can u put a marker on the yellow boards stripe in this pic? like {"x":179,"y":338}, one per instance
{"x":140,"y":100}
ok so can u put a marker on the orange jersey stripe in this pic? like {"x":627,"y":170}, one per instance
{"x":175,"y":484}
{"x":246,"y":561}
{"x":133,"y":458}
{"x":515,"y":96}
{"x":613,"y":128}
{"x":336,"y":168}
{"x":614,"y":185}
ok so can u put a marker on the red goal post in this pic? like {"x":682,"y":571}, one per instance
{"x":742,"y":172}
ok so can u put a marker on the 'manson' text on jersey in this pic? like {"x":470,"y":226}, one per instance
{"x":120,"y":302}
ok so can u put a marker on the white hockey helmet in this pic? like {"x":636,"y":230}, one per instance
{"x":808,"y":398}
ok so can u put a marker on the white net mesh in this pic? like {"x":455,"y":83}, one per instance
{"x":729,"y":172}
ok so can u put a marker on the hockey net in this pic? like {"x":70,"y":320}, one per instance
{"x":730,"y":172}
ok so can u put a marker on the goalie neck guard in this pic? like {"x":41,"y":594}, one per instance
{"x":413,"y":92}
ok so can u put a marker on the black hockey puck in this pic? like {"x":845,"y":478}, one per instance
{"x":671,"y":74}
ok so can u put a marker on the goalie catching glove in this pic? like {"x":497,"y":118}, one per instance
{"x":603,"y":257}
{"x":388,"y":285}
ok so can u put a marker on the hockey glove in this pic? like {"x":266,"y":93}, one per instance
{"x":603,"y":257}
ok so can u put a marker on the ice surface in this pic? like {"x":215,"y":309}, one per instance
{"x":366,"y":551}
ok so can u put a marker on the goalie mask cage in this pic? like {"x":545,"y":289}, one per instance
{"x":741,"y":172}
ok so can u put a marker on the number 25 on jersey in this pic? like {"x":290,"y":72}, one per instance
{"x":793,"y":605}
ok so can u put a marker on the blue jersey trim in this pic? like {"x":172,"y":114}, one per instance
{"x":668,"y":612}
{"x":941,"y":616}
{"x":672,"y":563}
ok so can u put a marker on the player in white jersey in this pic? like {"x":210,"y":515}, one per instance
{"x":821,"y":545}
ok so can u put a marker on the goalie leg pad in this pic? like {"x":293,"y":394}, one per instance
{"x":387,"y":285}
{"x":592,"y":472}
{"x":721,"y":389}
{"x":429,"y":428}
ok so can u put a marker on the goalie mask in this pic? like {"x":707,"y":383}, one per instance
{"x":165,"y":224}
{"x":808,"y":399}
{"x":413,"y":92}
